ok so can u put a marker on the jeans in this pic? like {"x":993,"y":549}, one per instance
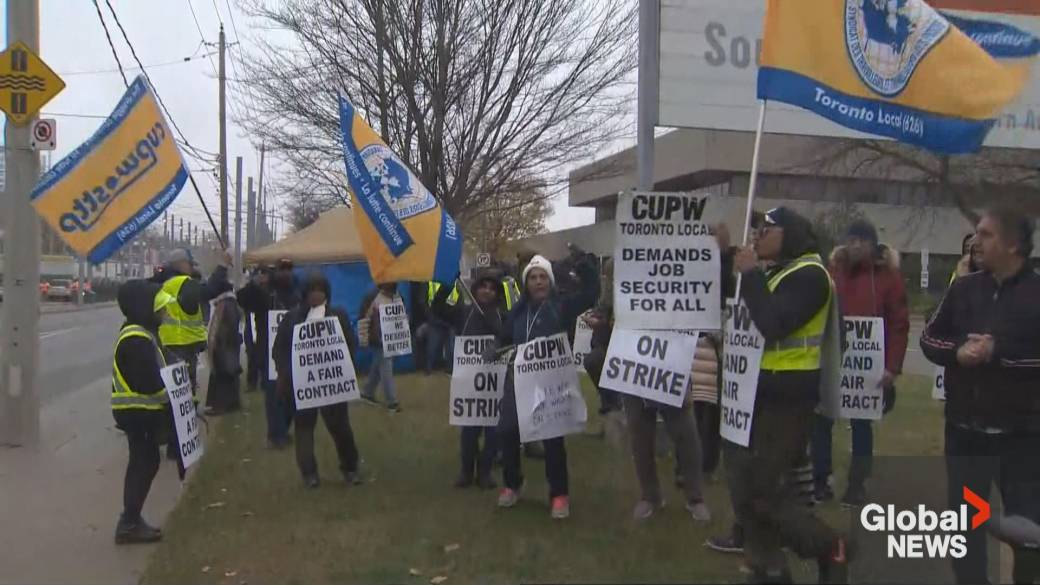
{"x":382,"y":370}
{"x":469,"y":438}
{"x":337,"y":422}
{"x":708,"y":419}
{"x":277,"y":413}
{"x":682,"y":429}
{"x":977,"y":460}
{"x":862,"y":450}
{"x":143,"y":442}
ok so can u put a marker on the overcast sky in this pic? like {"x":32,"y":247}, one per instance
{"x":164,"y":33}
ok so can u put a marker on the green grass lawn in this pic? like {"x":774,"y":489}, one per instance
{"x":245,"y":516}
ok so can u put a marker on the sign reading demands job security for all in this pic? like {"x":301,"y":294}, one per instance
{"x":114,"y":185}
{"x":393,"y":323}
{"x":178,"y":386}
{"x":548,"y":396}
{"x":862,"y":367}
{"x":666,"y":263}
{"x":274,"y":319}
{"x":741,"y":362}
{"x":476,"y":386}
{"x":582,"y":343}
{"x":322,"y":371}
{"x":653,"y":365}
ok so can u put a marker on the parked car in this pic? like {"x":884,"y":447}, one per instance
{"x":60,"y":290}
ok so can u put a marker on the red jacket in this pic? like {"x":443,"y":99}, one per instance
{"x":875,"y":290}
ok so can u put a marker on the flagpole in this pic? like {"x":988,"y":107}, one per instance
{"x":752,"y":182}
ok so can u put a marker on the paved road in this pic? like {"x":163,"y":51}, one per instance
{"x":75,"y":349}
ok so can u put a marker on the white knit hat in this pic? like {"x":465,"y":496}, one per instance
{"x":539,"y":261}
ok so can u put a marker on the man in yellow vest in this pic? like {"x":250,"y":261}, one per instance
{"x":140,"y":404}
{"x":790,"y":302}
{"x":510,"y":292}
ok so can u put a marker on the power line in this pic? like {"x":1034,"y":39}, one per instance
{"x":110,"y":43}
{"x":152,"y":66}
{"x":195,"y":17}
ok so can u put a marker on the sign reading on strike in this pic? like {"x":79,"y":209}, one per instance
{"x":653,"y":365}
{"x":666,"y":263}
{"x":476,"y":386}
{"x":582,"y":343}
{"x":274,"y":319}
{"x":393,"y":323}
{"x":178,"y":386}
{"x":862,"y":367}
{"x":548,"y":396}
{"x":939,"y":384}
{"x":322,"y":371}
{"x":741,"y":362}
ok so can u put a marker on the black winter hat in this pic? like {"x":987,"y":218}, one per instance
{"x":863,"y":230}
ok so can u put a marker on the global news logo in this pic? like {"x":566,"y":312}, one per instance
{"x":923,"y":533}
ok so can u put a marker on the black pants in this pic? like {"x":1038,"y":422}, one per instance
{"x":609,"y":400}
{"x":707,"y":415}
{"x":555,"y":463}
{"x":337,"y":421}
{"x":470,"y":445}
{"x":222,"y":393}
{"x":977,"y":460}
{"x":144,"y":434}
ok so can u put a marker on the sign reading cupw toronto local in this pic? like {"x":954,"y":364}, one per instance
{"x":393,"y":323}
{"x":476,"y":386}
{"x":862,"y":368}
{"x":666,"y":263}
{"x":178,"y":387}
{"x":742,"y":359}
{"x":549,"y":403}
{"x":322,"y":371}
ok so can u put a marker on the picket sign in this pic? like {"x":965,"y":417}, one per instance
{"x":742,"y":360}
{"x":667,"y":270}
{"x":549,"y":403}
{"x":862,"y":368}
{"x":274,"y":319}
{"x":393,"y":323}
{"x":177,"y":381}
{"x":652,"y":365}
{"x":939,"y":383}
{"x":476,"y":386}
{"x":322,"y":371}
{"x":582,"y":342}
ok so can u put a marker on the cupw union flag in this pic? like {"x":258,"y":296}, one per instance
{"x":895,"y":68}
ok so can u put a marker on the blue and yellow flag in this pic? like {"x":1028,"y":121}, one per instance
{"x":895,"y":68}
{"x":114,"y":185}
{"x":405,"y":232}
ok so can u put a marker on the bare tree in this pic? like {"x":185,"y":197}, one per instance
{"x":479,"y":97}
{"x":505,"y":218}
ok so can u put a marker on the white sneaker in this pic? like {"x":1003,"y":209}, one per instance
{"x":699,"y":511}
{"x":507,"y":498}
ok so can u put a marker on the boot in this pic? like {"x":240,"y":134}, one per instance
{"x":859,"y":471}
{"x":136,"y":532}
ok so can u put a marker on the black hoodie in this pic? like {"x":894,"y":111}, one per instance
{"x":136,"y":356}
{"x":467,"y":319}
{"x":283,"y":340}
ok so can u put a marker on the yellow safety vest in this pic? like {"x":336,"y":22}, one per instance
{"x":180,"y":328}
{"x":800,"y":351}
{"x":511,"y":292}
{"x":123,"y":396}
{"x":431,"y":291}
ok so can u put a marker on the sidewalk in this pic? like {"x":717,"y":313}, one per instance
{"x":50,"y":308}
{"x":60,"y":501}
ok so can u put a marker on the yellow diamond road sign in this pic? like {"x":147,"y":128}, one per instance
{"x":26,"y":83}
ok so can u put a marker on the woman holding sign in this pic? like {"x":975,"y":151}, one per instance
{"x":542,"y":312}
{"x":472,"y":321}
{"x":139,"y":401}
{"x":316,"y":307}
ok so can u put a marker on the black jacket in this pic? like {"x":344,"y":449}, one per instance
{"x":558,"y":315}
{"x":283,"y":341}
{"x":136,"y":356}
{"x":467,"y":319}
{"x":258,"y":301}
{"x":1005,"y":393}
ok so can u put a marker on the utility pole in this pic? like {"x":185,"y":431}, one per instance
{"x":250,"y":215}
{"x":223,"y":143}
{"x":180,"y":240}
{"x":238,"y":221}
{"x":19,"y":333}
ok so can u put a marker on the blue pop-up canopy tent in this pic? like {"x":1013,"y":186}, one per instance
{"x":331,"y":245}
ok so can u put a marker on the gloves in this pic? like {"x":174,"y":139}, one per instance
{"x":888,"y":399}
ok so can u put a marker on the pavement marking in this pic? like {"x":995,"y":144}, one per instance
{"x":50,"y":334}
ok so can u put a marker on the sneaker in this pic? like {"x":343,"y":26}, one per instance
{"x":645,"y":509}
{"x":395,"y":407}
{"x":353,"y":478}
{"x":370,"y":400}
{"x":728,"y":544}
{"x":699,"y":511}
{"x":311,"y":482}
{"x":507,"y":497}
{"x":561,"y":507}
{"x":486,"y":482}
{"x":834,"y":568}
{"x":822,"y":493}
{"x":463,"y":481}
{"x":136,"y":533}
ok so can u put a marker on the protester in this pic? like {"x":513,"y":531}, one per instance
{"x":263,"y":294}
{"x":382,"y":369}
{"x":969,"y":261}
{"x":610,"y":407}
{"x":868,"y":282}
{"x":140,"y":404}
{"x":316,"y":306}
{"x":484,"y":317}
{"x":255,"y":368}
{"x":986,"y":333}
{"x":540,"y":313}
{"x":790,"y":304}
{"x":225,"y":349}
{"x":436,"y":331}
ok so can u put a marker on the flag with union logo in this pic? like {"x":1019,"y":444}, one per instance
{"x":895,"y":68}
{"x":405,"y":232}
{"x":115,"y":184}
